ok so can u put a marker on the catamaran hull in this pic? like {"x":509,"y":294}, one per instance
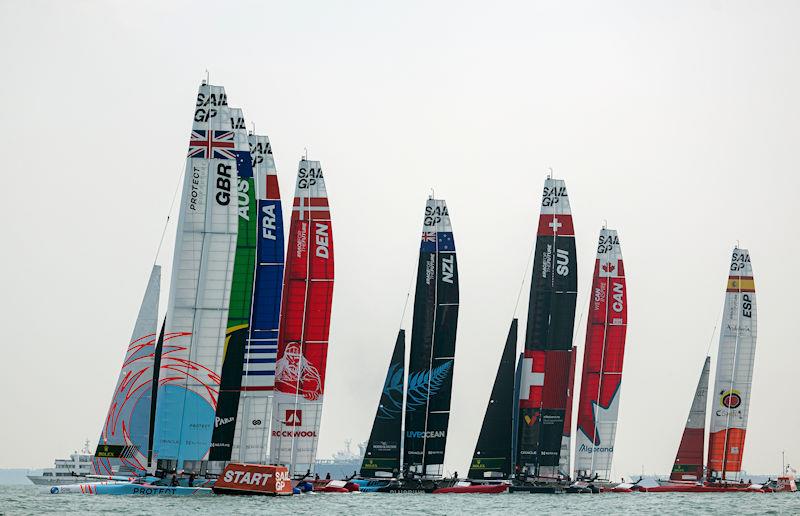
{"x":474,"y":488}
{"x":129,"y":489}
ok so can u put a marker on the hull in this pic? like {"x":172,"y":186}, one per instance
{"x":474,"y":488}
{"x":55,"y":481}
{"x":102,"y":488}
{"x":696,"y":488}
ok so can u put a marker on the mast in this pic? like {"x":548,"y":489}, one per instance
{"x":237,"y":331}
{"x":492,"y":457}
{"x":689,"y":459}
{"x":202,"y":271}
{"x":544,"y":381}
{"x":598,"y":407}
{"x":154,"y":391}
{"x":251,"y":440}
{"x":124,"y":436}
{"x":433,"y":343}
{"x":304,"y":325}
{"x":382,"y":456}
{"x":734,"y":376}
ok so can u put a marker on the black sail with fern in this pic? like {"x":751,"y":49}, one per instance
{"x":492,"y":457}
{"x":433,"y":345}
{"x":382,"y":456}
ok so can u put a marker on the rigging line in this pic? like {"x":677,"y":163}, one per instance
{"x":524,"y":277}
{"x":711,"y":340}
{"x":169,"y":214}
{"x":408,"y":294}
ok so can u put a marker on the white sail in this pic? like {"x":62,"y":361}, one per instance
{"x":202,"y":270}
{"x":734,"y":376}
{"x":124,"y":438}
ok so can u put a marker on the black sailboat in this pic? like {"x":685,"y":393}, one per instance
{"x":492,"y":457}
{"x":382,"y":456}
{"x":433,"y":342}
{"x":545,"y":380}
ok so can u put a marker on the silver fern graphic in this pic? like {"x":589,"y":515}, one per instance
{"x":418,"y":388}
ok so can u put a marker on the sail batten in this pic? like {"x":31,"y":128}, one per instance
{"x":734,"y":372}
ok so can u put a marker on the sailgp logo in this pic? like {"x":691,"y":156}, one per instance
{"x":293,"y":418}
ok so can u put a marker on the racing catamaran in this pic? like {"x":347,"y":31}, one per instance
{"x":545,"y":380}
{"x":598,"y":406}
{"x":433,"y":346}
{"x":202,"y":272}
{"x":304,"y":325}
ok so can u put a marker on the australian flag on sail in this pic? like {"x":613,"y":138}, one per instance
{"x":212,"y":145}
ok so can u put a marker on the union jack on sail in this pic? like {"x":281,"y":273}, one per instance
{"x":211,"y":144}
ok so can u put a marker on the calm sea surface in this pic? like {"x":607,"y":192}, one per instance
{"x":32,"y":500}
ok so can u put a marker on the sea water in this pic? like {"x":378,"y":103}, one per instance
{"x":36,"y":500}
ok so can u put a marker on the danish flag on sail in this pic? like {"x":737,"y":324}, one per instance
{"x":304,"y":324}
{"x":598,"y":407}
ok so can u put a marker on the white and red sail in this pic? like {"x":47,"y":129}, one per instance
{"x":545,"y":388}
{"x":304,"y":324}
{"x":689,"y":459}
{"x":124,"y":438}
{"x":734,"y":376}
{"x":598,"y":407}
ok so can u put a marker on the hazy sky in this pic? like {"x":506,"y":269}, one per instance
{"x":675,"y":121}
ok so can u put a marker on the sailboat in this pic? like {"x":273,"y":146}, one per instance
{"x":304,"y":325}
{"x":239,"y":308}
{"x":545,"y":388}
{"x":730,"y":397}
{"x":688,"y":464}
{"x":598,"y":405}
{"x":202,"y":272}
{"x":734,"y":372}
{"x":252,"y":433}
{"x":430,"y":374}
{"x":492,"y":459}
{"x":433,"y":346}
{"x":382,"y":455}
